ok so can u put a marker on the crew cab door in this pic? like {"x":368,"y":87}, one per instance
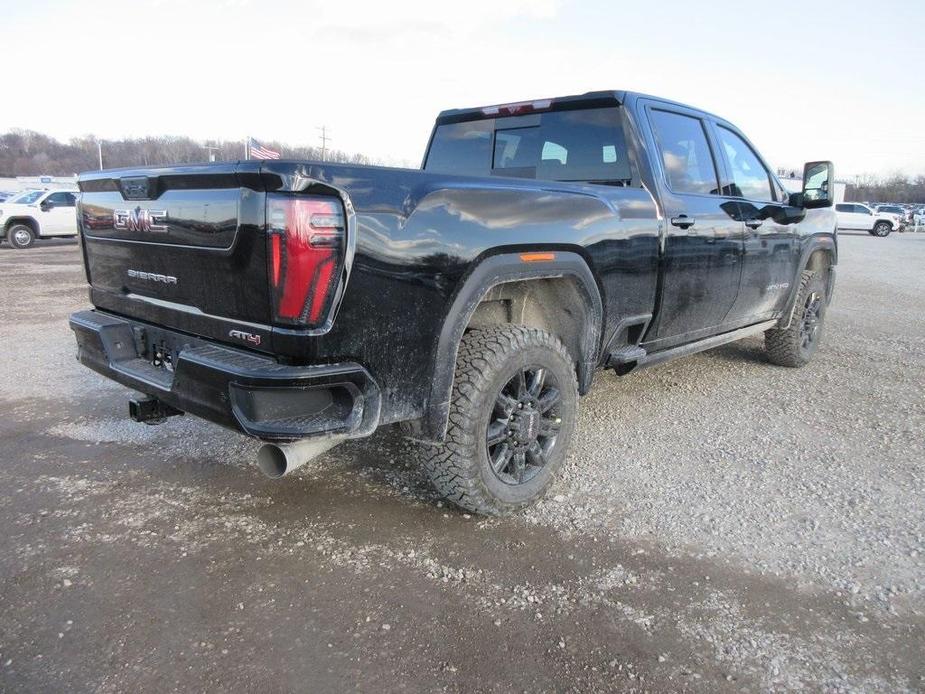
{"x":769,"y":265}
{"x":702,"y":239}
{"x":57,"y":214}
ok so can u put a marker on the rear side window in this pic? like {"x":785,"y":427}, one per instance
{"x":750,"y":179}
{"x":682,"y":143}
{"x":844,"y":208}
{"x":461,"y":148}
{"x":585,"y":145}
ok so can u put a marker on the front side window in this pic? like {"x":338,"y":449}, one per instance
{"x":685,"y":153}
{"x":61,"y":199}
{"x":752,"y":181}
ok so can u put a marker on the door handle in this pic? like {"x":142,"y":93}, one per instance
{"x":754,"y":223}
{"x":683,"y":221}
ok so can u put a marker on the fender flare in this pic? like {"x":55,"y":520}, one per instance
{"x":31,"y":221}
{"x":823,"y":243}
{"x":489,"y":273}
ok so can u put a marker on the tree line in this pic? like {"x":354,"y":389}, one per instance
{"x":28,"y":153}
{"x":895,"y":188}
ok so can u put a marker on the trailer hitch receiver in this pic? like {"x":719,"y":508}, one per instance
{"x":150,"y":410}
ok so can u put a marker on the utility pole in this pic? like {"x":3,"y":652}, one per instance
{"x":324,"y":140}
{"x":99,"y":148}
{"x":212,"y":150}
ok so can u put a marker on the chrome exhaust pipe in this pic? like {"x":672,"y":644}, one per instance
{"x":278,"y":459}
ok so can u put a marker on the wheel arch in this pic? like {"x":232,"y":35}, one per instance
{"x":820,"y":255}
{"x":564,"y":283}
{"x":21,"y":219}
{"x":888,"y":222}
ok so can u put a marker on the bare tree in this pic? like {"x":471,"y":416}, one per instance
{"x":28,"y":153}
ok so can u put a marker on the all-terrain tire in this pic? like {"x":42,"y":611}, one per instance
{"x":20,"y":236}
{"x":488,"y":360}
{"x":796,"y":345}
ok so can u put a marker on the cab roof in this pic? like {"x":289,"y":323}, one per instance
{"x":598,"y":99}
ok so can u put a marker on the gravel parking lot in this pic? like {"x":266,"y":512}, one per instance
{"x":722,"y":524}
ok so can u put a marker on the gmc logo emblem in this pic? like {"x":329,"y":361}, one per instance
{"x":140,"y":220}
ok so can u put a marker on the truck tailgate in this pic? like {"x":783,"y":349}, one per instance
{"x":184,"y":248}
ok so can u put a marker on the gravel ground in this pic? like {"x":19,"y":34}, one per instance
{"x":722,"y":524}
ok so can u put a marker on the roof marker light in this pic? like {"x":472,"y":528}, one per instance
{"x":537,"y":257}
{"x":515,"y":108}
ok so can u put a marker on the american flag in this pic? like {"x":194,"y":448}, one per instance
{"x":258,"y":151}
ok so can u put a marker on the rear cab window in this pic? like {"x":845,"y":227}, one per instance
{"x":583,"y":145}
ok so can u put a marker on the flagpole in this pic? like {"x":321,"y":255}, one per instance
{"x":246,"y":148}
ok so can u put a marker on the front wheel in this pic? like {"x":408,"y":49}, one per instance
{"x":796,"y":345}
{"x":882,"y":229}
{"x":512,"y":414}
{"x":20,"y":236}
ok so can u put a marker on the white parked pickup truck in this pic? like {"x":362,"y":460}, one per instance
{"x":854,"y":215}
{"x":38,"y":214}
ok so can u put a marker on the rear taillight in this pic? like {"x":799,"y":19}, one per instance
{"x":306,"y":256}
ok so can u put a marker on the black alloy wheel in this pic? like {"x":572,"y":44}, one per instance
{"x":524,"y":425}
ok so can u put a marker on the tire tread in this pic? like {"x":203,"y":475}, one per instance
{"x":453,"y":466}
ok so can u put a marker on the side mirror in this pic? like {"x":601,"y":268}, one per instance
{"x":45,"y":206}
{"x":818,"y":184}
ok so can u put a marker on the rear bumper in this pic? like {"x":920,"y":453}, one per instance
{"x":237,"y":389}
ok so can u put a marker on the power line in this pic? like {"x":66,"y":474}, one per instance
{"x":324,"y":140}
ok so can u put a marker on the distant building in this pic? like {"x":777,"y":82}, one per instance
{"x":12,"y":185}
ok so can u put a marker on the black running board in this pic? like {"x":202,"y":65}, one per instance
{"x":646,"y":359}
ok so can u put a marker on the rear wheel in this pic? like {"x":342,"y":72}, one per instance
{"x":882,"y":229}
{"x":20,"y":236}
{"x":796,"y":345}
{"x":514,"y":406}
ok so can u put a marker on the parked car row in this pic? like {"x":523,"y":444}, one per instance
{"x":878,"y":220}
{"x":857,"y":216}
{"x":906,"y":210}
{"x":36,"y":214}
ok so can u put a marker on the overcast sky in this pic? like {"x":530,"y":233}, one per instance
{"x":804,"y":80}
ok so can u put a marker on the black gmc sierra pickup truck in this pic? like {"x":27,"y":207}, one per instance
{"x":304,"y":303}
